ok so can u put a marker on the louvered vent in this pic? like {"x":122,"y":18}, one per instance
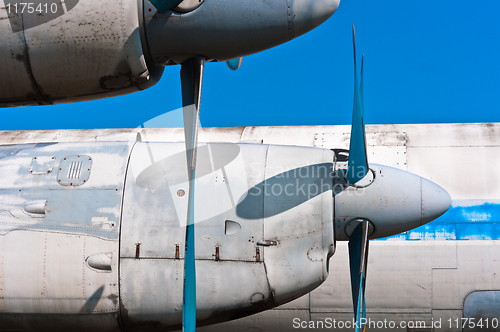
{"x":74,"y":170}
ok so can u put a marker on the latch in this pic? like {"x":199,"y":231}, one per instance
{"x":267,"y":243}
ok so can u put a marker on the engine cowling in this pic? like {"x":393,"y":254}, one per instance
{"x":87,"y":50}
{"x":263,"y":229}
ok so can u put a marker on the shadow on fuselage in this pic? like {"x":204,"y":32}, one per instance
{"x":91,"y":303}
{"x":287,"y":190}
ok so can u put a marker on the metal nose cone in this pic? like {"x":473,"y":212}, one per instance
{"x":435,"y":201}
{"x":305,"y":15}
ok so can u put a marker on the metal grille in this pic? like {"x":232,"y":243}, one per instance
{"x":75,"y":170}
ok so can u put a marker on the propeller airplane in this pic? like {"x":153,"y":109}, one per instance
{"x":126,"y":210}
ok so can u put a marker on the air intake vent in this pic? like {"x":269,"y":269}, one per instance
{"x":74,"y":170}
{"x":35,"y":208}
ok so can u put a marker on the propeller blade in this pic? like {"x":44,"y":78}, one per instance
{"x":361,"y":97}
{"x":234,"y":64}
{"x":357,"y":166}
{"x":358,"y":259}
{"x":165,"y":5}
{"x":191,"y":81}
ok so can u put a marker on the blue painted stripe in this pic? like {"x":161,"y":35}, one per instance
{"x":465,"y":220}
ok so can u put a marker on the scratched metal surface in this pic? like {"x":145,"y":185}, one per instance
{"x":45,"y":273}
{"x":90,"y":50}
{"x":93,"y":207}
{"x":43,"y":250}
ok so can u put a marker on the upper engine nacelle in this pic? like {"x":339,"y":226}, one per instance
{"x":80,"y":50}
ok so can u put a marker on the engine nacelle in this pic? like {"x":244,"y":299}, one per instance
{"x":263,"y":229}
{"x":75,"y":50}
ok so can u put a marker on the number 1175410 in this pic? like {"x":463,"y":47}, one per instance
{"x":30,"y":8}
{"x":473,"y":323}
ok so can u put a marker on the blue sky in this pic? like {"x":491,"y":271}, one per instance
{"x":425,"y":62}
